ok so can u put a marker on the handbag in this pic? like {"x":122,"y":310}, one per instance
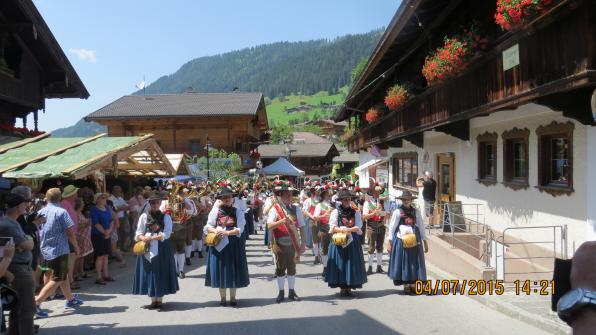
{"x":212,"y":239}
{"x":340,"y":239}
{"x":8,"y":296}
{"x":409,"y":240}
{"x":140,"y":248}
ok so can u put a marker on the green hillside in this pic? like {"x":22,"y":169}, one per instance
{"x":314,"y":107}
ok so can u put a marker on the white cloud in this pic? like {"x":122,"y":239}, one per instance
{"x":85,"y":54}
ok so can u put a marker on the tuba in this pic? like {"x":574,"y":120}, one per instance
{"x":176,"y":203}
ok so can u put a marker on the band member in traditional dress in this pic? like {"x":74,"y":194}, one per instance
{"x":204,"y":205}
{"x":180,"y":227}
{"x":308,"y":208}
{"x":284,"y":221}
{"x":406,"y":264}
{"x":321,"y":216}
{"x":345,"y":267}
{"x":375,"y":228}
{"x":155,"y":272}
{"x":191,"y":212}
{"x":227,"y":268}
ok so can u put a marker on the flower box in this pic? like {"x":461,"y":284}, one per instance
{"x":397,"y":95}
{"x":511,"y":14}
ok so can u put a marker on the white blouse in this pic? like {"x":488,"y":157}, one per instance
{"x":272,"y":216}
{"x":319,"y":208}
{"x":212,"y":220}
{"x":334,"y":221}
{"x":142,"y":230}
{"x":395,"y":221}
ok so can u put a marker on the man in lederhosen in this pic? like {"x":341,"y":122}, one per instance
{"x":375,"y":228}
{"x":287,"y":243}
{"x":308,"y":208}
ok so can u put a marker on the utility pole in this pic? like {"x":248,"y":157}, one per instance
{"x":207,"y":147}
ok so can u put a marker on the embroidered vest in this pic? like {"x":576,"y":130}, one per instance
{"x":408,"y":216}
{"x":372,"y":206}
{"x":282,"y":230}
{"x":155,"y":218}
{"x":346,"y":217}
{"x":226,"y":217}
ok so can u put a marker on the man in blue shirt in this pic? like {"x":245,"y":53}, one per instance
{"x":55,"y":234}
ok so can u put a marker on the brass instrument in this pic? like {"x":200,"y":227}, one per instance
{"x":176,"y":203}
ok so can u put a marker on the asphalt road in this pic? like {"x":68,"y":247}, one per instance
{"x":378,"y":308}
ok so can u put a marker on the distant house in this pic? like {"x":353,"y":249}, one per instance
{"x":182,"y":122}
{"x":33,"y":67}
{"x":330,"y":128}
{"x":300,"y":137}
{"x":316,"y":159}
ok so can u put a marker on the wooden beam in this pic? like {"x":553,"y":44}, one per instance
{"x":459,"y":129}
{"x":19,"y":144}
{"x":417,"y":139}
{"x":52,"y":153}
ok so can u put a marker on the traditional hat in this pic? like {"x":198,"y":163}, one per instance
{"x":69,"y":191}
{"x":283,"y":185}
{"x":343,"y":193}
{"x":406,"y":195}
{"x":224,"y":192}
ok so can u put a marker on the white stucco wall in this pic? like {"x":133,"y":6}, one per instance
{"x":504,"y":207}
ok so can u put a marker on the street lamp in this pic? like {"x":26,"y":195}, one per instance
{"x":207,"y":148}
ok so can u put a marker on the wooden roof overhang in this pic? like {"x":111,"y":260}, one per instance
{"x":562,"y":78}
{"x":22,"y":20}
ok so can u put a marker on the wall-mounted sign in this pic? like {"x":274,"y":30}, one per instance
{"x":511,"y":57}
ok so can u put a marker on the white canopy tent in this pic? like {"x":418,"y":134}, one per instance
{"x":281,"y":167}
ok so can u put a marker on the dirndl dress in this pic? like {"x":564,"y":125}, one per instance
{"x":227,"y":268}
{"x":345,"y":266}
{"x":406,"y":266}
{"x":156,"y":277}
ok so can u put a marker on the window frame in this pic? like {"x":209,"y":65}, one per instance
{"x":511,"y":137}
{"x":396,"y":177}
{"x":190,"y":146}
{"x":547,"y":133}
{"x":483,"y":140}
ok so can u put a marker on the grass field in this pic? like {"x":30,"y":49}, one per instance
{"x":276,"y":109}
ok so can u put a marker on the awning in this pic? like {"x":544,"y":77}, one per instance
{"x":78,"y":157}
{"x":180,"y":163}
{"x":370,"y":163}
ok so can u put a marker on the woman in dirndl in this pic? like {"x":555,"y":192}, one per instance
{"x":227,"y":267}
{"x":155,"y":273}
{"x":406,"y":264}
{"x":345,"y":266}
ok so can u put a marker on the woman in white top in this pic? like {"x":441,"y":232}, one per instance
{"x":155,"y":273}
{"x":406,"y":265}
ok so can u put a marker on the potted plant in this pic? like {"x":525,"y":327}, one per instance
{"x":453,"y":56}
{"x":373,"y":114}
{"x":397,"y":95}
{"x":511,"y":14}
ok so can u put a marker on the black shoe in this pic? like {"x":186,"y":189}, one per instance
{"x":187,"y":261}
{"x":324,"y":272}
{"x":200,"y":254}
{"x":181,"y":275}
{"x":233,"y":303}
{"x":369,"y":271}
{"x":152,"y":306}
{"x":223,"y":303}
{"x":280,"y":296}
{"x":317,"y":260}
{"x":293,"y":296}
{"x":380,"y":269}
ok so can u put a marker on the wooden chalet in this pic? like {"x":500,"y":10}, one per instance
{"x":315,"y":159}
{"x":330,"y":128}
{"x":510,"y":135}
{"x":182,"y":123}
{"x":33,"y":67}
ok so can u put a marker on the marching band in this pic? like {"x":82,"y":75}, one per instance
{"x":333,"y":219}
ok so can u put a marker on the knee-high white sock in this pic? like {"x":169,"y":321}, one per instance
{"x":193,"y":245}
{"x":200,"y":245}
{"x":291,"y":282}
{"x":281,"y":282}
{"x":187,"y":250}
{"x":379,"y":258}
{"x":370,"y":260}
{"x":180,"y":262}
{"x":315,"y":249}
{"x":324,"y":260}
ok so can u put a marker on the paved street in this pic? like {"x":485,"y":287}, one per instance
{"x":378,"y":308}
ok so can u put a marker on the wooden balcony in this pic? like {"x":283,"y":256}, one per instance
{"x":556,"y":68}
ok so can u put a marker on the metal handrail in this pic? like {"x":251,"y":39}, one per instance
{"x":562,"y":244}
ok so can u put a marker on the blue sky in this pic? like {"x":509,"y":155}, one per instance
{"x":113,"y":43}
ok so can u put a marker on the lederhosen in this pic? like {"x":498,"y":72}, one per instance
{"x":323,"y":229}
{"x":282,"y":245}
{"x":375,"y":230}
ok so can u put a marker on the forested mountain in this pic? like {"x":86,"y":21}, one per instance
{"x":276,"y":69}
{"x":80,"y":129}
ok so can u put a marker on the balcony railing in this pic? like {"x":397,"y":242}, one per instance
{"x":553,"y":57}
